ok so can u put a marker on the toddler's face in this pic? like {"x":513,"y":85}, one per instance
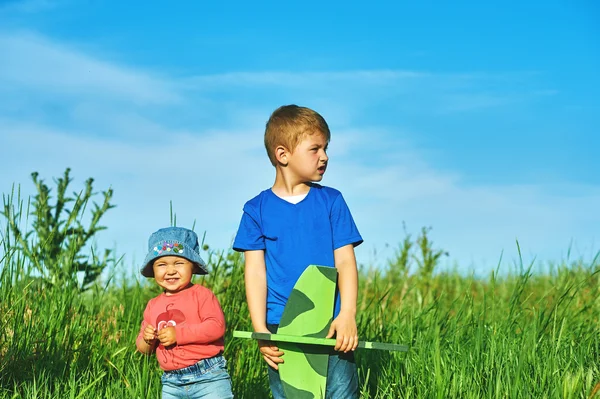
{"x":172,"y":273}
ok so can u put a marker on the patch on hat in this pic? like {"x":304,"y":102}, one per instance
{"x":175,"y":247}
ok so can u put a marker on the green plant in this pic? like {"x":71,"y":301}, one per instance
{"x":54,"y":247}
{"x":510,"y":335}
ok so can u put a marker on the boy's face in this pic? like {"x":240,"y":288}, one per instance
{"x":172,"y":273}
{"x":308,"y":161}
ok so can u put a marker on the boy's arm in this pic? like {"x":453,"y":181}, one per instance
{"x":344,"y":324}
{"x":146,"y":339}
{"x":255,"y":277}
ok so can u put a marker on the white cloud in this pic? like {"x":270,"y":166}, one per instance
{"x":36,"y":63}
{"x":206,"y":176}
{"x":353,"y":94}
{"x":300,"y":79}
{"x":209,"y":175}
{"x":476,"y":224}
{"x":150,"y":159}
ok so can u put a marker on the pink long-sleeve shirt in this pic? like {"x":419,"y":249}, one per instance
{"x":199,"y":326}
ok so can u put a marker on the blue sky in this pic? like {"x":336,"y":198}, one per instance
{"x":479,"y":120}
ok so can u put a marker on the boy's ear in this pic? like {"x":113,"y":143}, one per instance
{"x":281,"y":153}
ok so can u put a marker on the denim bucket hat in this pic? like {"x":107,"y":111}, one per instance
{"x":174,"y":241}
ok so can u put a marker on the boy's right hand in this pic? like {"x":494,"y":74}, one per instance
{"x":271,"y":353}
{"x":149,"y":335}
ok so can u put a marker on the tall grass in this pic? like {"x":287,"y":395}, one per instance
{"x":521,"y":335}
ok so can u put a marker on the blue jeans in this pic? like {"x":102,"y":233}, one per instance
{"x":207,"y":379}
{"x":342,"y":376}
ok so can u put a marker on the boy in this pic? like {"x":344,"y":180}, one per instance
{"x":185,"y":324}
{"x":292,"y":225}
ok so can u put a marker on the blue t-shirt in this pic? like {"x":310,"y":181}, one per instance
{"x":295,"y":236}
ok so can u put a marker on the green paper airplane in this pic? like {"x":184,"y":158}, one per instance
{"x":317,"y":341}
{"x":301,"y":334}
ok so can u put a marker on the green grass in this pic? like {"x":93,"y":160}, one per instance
{"x":520,"y":335}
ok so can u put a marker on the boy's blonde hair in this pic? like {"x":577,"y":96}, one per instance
{"x":287,"y":126}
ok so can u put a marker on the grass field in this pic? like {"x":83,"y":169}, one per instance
{"x":520,"y":335}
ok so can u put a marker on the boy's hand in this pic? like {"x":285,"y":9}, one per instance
{"x":166,"y":336}
{"x":271,"y":353}
{"x":344,"y":327}
{"x":149,"y":335}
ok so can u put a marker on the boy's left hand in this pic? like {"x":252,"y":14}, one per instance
{"x":344,"y":327}
{"x":166,"y":336}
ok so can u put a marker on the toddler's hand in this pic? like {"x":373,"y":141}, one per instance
{"x":149,"y":335}
{"x":271,"y":353}
{"x":166,"y":336}
{"x":344,"y":326}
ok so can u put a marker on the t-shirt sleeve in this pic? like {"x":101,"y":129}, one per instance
{"x":212,"y":321}
{"x":249,"y":236}
{"x":342,"y":225}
